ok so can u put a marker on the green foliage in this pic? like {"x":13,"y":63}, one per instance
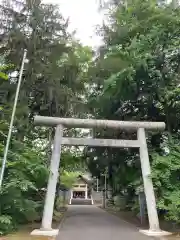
{"x":21,"y":195}
{"x":3,"y":76}
{"x":72,"y":165}
{"x":53,"y":84}
{"x":67,"y":179}
{"x":3,"y":71}
{"x":165,"y":173}
{"x":134,"y":76}
{"x":53,"y":80}
{"x":6,"y":224}
{"x":72,"y":160}
{"x":142,"y":83}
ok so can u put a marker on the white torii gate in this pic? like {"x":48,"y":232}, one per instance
{"x":59,"y":140}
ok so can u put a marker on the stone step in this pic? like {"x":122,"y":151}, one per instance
{"x":81,"y":201}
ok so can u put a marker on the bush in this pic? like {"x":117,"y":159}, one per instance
{"x":21,"y":197}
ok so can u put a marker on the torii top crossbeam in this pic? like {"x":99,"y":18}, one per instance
{"x":93,"y":123}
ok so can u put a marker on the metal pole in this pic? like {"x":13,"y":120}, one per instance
{"x":104,"y":192}
{"x":12,"y":119}
{"x":97,"y":184}
{"x":105,"y":187}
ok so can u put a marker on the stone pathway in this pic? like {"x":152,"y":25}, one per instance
{"x":92,"y":223}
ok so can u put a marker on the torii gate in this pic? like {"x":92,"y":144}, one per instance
{"x":59,"y":140}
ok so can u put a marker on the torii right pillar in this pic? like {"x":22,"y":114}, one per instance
{"x":154,"y":229}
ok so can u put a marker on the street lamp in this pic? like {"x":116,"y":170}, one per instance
{"x":12,"y":119}
{"x":105,"y":188}
{"x":97,"y":189}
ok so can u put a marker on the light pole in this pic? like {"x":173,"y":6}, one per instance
{"x":12,"y":118}
{"x":105,"y":189}
{"x":105,"y":182}
{"x":97,"y":184}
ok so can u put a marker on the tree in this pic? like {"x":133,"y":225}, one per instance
{"x":22,"y":192}
{"x":144,"y":38}
{"x":68,"y":178}
{"x":53,"y":84}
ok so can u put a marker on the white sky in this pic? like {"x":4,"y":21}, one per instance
{"x":84,"y":16}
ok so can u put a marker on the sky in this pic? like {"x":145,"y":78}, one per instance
{"x":84,"y":16}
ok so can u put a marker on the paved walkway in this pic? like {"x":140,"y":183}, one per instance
{"x":92,"y":223}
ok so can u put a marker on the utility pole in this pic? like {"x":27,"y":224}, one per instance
{"x":12,"y":119}
{"x":105,"y":189}
{"x":105,"y":182}
{"x":97,"y":184}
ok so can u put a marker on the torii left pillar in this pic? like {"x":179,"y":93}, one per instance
{"x":46,"y":228}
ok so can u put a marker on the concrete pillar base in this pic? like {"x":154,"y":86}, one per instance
{"x":155,"y":233}
{"x":45,"y":232}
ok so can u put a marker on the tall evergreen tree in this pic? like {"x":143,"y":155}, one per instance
{"x":136,"y":78}
{"x":51,"y":84}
